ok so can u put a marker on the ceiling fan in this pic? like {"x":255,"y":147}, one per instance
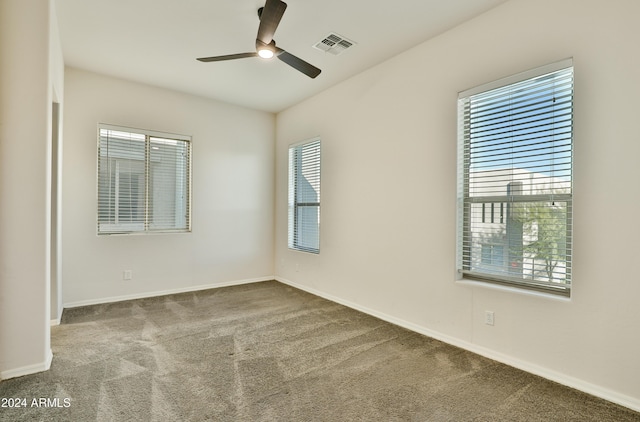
{"x":266,"y":48}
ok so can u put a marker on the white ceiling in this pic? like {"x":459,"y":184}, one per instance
{"x":157,"y":42}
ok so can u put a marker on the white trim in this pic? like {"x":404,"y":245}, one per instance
{"x":144,"y":295}
{"x":29,"y":369}
{"x":595,"y":390}
{"x":54,"y":322}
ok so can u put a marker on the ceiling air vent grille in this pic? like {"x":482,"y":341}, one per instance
{"x":334,"y":44}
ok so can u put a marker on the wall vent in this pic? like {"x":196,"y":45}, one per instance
{"x":334,"y":44}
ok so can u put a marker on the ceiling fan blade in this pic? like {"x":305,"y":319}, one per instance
{"x":227,"y":57}
{"x":270,"y":19}
{"x":298,"y":64}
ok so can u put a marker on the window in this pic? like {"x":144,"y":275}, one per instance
{"x":493,"y":254}
{"x":144,"y":181}
{"x":515,"y":158}
{"x":304,"y":196}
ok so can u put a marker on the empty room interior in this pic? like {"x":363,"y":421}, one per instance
{"x":154,"y":164}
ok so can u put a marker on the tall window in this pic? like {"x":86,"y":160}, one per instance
{"x":515,"y":180}
{"x":144,"y":181}
{"x":304,"y":196}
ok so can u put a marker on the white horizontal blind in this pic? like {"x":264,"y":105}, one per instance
{"x":304,"y":196}
{"x":143,"y":181}
{"x":168,"y":170}
{"x":515,"y":181}
{"x":121,"y":181}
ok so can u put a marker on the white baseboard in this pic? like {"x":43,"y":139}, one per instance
{"x":578,"y":384}
{"x":144,"y":295}
{"x":54,"y":322}
{"x":29,"y":369}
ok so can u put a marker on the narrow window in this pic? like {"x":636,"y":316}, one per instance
{"x":144,"y":181}
{"x":304,"y":196}
{"x":515,"y":147}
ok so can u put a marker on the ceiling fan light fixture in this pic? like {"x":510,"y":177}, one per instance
{"x":265,"y":53}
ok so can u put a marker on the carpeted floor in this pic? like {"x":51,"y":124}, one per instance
{"x":269,"y":352}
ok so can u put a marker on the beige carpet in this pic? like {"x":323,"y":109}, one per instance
{"x":268,"y":352}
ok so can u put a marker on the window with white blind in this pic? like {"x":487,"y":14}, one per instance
{"x":515,"y":158}
{"x":144,"y":181}
{"x":304,"y":196}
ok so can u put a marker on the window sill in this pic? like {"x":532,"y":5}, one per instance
{"x":466,"y":282}
{"x":143,"y":233}
{"x":307,"y":251}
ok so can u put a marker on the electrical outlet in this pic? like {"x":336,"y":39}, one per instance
{"x":489,"y":317}
{"x":127,"y":275}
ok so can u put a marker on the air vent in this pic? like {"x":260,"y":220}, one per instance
{"x":334,"y":44}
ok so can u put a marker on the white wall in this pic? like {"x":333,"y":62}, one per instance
{"x":389,"y":193}
{"x":232,"y":200}
{"x":30,"y":71}
{"x":56,"y":71}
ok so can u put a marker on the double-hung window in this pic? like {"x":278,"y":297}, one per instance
{"x":144,"y":181}
{"x":515,"y":149}
{"x":304,"y":196}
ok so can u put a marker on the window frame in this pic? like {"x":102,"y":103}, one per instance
{"x":145,"y":226}
{"x":294,"y":224}
{"x":467,"y":269}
